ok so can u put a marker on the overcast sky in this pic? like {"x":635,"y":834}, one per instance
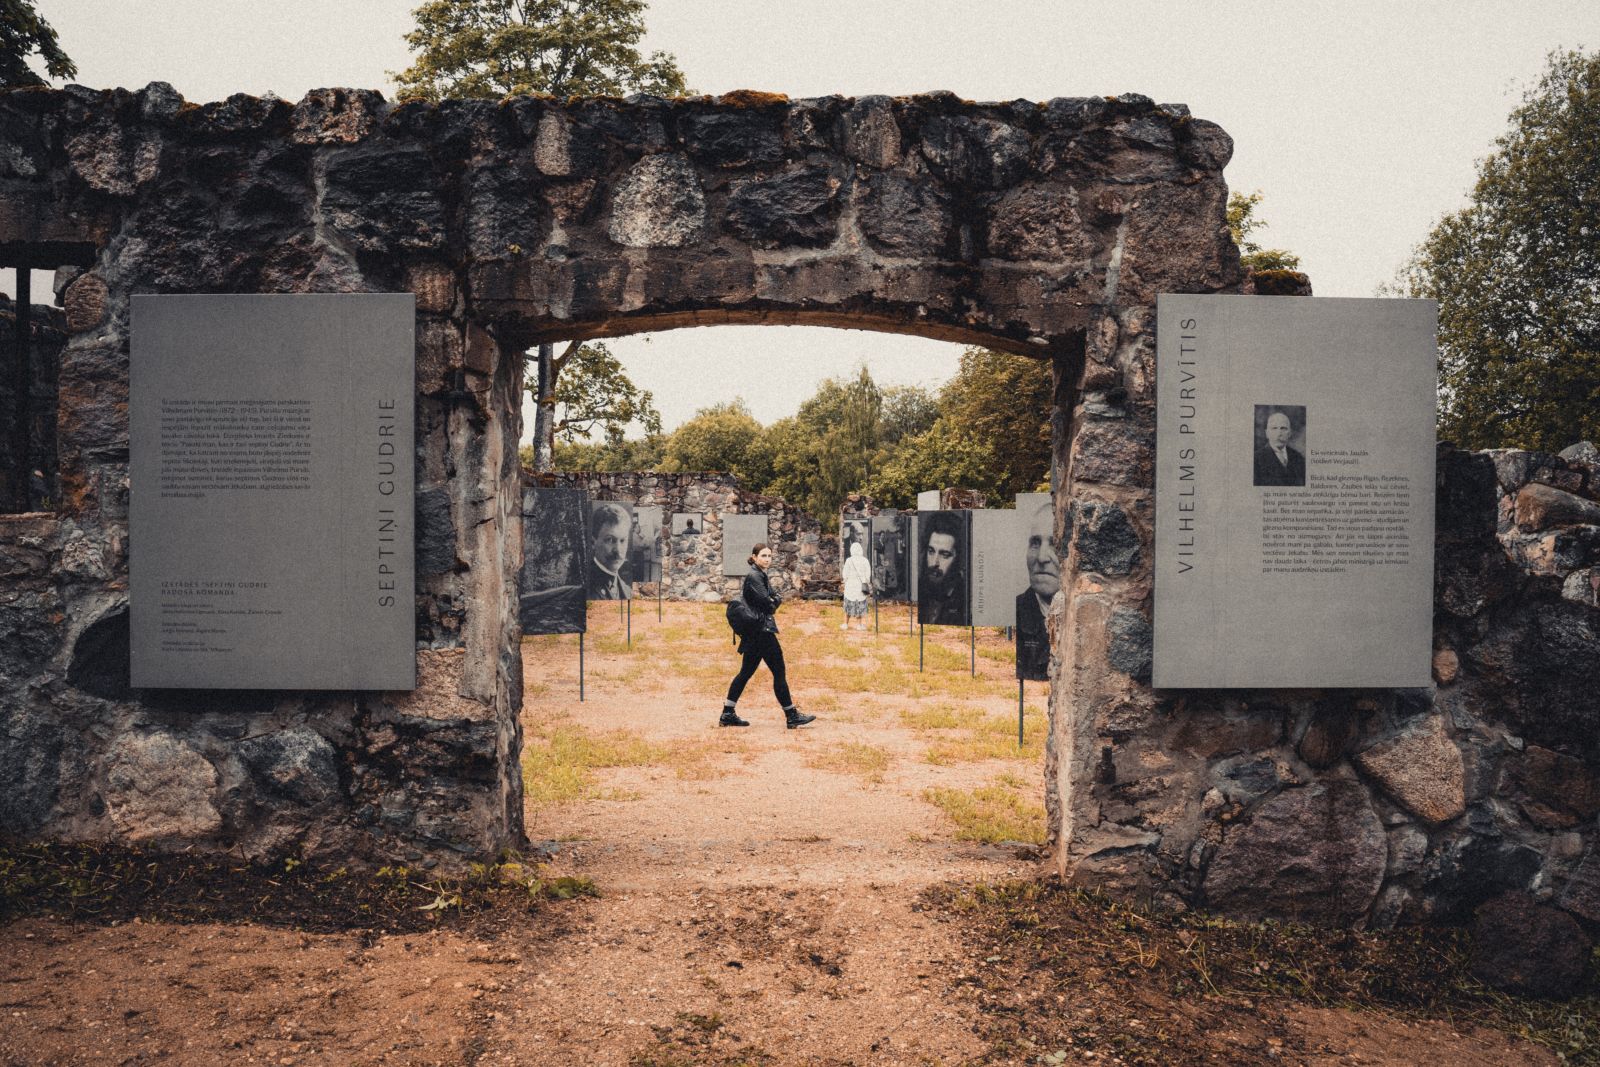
{"x":1360,"y":120}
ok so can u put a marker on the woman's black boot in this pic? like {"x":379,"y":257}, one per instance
{"x":793,"y":718}
{"x":731,"y":718}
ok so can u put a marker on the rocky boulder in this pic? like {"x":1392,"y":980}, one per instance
{"x":1314,"y":854}
{"x":1421,"y":768}
{"x":1520,"y":946}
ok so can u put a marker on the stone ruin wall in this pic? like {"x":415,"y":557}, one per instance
{"x":1044,"y":229}
{"x":1346,"y":807}
{"x":806,"y":560}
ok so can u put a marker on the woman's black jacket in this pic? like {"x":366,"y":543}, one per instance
{"x":763,"y":601}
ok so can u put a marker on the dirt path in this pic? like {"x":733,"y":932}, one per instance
{"x":762,"y":894}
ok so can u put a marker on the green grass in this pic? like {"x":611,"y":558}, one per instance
{"x":991,"y":813}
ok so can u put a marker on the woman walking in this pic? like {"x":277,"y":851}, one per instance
{"x":761,"y":645}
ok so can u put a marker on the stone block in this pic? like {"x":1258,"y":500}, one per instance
{"x":1039,"y":222}
{"x":1421,"y":768}
{"x":734,"y":139}
{"x":798,"y":208}
{"x":901,"y":216}
{"x":1530,"y":949}
{"x":1129,"y":644}
{"x":1316,"y":853}
{"x":1558,"y":791}
{"x":872,"y":136}
{"x":974,"y":152}
{"x":1540,"y":507}
{"x":336,"y":116}
{"x":85,"y":301}
{"x":1105,"y":539}
{"x":658,"y":204}
{"x":297,"y":765}
{"x":161,"y":789}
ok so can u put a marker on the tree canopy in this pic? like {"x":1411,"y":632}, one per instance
{"x":1517,"y":275}
{"x":493,"y":48}
{"x":22,"y":33}
{"x":988,"y":429}
{"x":1242,"y":222}
{"x":594,"y":393}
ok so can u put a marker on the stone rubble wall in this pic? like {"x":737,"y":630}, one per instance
{"x":805,"y":560}
{"x":1346,"y":807}
{"x":1005,"y":224}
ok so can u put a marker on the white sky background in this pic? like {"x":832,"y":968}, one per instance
{"x":1360,"y":120}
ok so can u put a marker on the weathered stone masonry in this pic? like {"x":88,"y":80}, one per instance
{"x":1044,"y":229}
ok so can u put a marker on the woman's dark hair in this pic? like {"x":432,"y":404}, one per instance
{"x":756,"y":551}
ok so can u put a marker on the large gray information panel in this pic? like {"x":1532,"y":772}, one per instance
{"x":740,"y":533}
{"x":271,"y":504}
{"x":1294,"y":492}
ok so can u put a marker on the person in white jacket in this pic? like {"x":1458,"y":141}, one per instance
{"x":857,"y":586}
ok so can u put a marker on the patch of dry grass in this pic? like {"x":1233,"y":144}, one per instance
{"x":559,"y":761}
{"x":868,"y":762}
{"x":991,"y":813}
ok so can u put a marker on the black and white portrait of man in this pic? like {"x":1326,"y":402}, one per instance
{"x":1280,"y":438}
{"x":610,"y":531}
{"x":1033,"y":603}
{"x":945,"y":552}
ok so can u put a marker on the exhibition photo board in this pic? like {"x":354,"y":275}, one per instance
{"x":739,"y":534}
{"x":271,"y":503}
{"x":646,"y":544}
{"x":854,"y":532}
{"x":999,"y":566}
{"x":608,"y":573}
{"x":551,"y":598}
{"x":1295,"y":458}
{"x":891,"y":540}
{"x":944,"y":568}
{"x":1042,"y":565}
{"x":688,"y":524}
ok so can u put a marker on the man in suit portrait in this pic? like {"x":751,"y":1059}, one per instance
{"x":1278,"y":462}
{"x":610,"y":528}
{"x":1033,"y":603}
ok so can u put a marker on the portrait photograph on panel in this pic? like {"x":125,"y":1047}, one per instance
{"x":889,"y":539}
{"x":688,"y":524}
{"x":944,"y":562}
{"x":644,"y":548}
{"x":551,"y":590}
{"x":739,"y":534}
{"x":853,"y":532}
{"x":1036,"y":543}
{"x":610,"y":534}
{"x":1280,"y":444}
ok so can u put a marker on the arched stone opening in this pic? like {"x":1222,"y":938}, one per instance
{"x":1045,"y":229}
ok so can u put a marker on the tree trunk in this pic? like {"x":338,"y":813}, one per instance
{"x":544,"y":412}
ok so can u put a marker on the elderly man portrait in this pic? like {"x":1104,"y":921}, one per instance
{"x":1033,"y":603}
{"x":1277,"y":461}
{"x":610,"y":527}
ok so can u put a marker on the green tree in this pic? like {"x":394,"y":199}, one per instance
{"x":22,"y":33}
{"x":1005,"y":401}
{"x":1242,"y":222}
{"x":595,"y":394}
{"x":633,"y":454}
{"x":718,"y":438}
{"x":493,"y":48}
{"x":1517,"y":275}
{"x":944,"y":455}
{"x":907,"y":411}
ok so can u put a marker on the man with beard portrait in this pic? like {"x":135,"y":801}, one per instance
{"x":942,"y":592}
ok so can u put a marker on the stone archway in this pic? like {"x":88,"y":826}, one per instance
{"x":1043,"y":229}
